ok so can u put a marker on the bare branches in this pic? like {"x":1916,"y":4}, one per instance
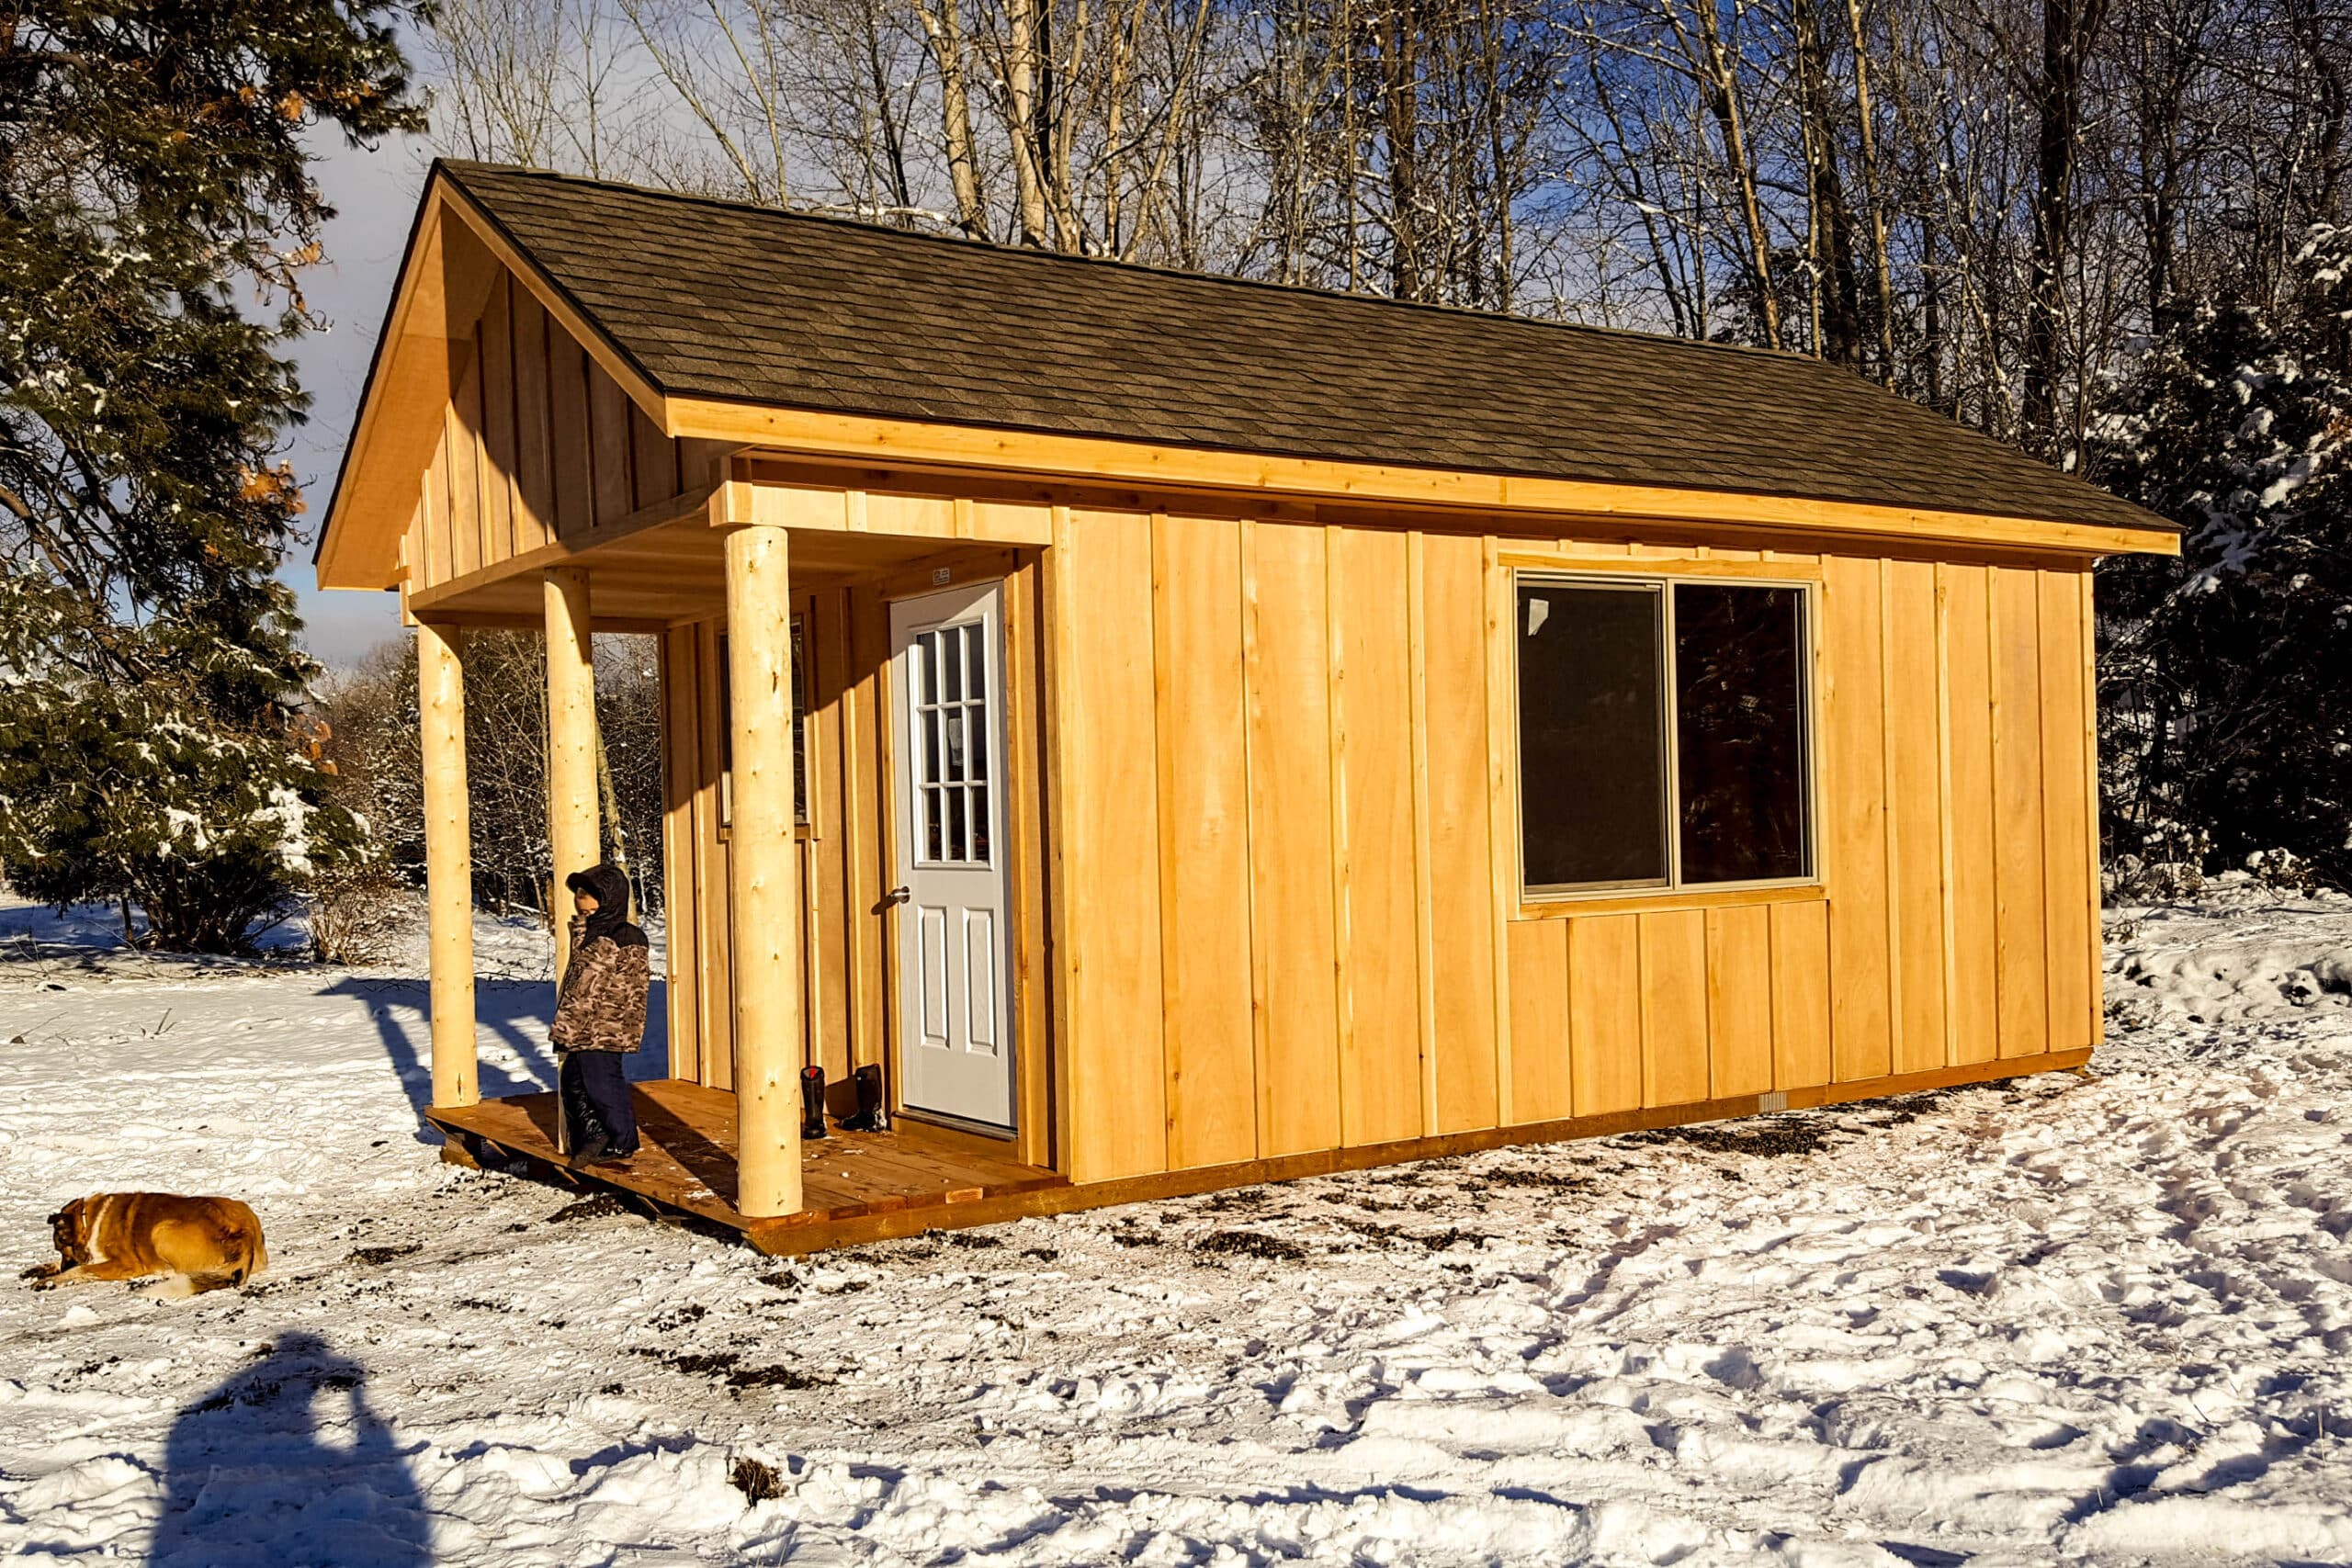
{"x":1978,"y":203}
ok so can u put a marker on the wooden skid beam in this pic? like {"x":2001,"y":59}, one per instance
{"x":951,"y":1203}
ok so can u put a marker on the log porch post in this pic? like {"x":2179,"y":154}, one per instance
{"x":573,"y":840}
{"x":763,"y":887}
{"x":449,"y":864}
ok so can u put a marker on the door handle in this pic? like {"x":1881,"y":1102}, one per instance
{"x":897,"y":896}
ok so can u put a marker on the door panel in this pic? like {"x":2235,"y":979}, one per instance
{"x":947,"y":664}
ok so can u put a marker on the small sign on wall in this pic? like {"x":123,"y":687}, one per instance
{"x":939,"y":574}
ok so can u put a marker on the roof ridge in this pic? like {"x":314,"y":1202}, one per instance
{"x":1028,"y":254}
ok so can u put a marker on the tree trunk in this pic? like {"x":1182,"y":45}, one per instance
{"x":1839,"y":308}
{"x":1723,"y":92}
{"x":2068,"y":29}
{"x":942,"y":29}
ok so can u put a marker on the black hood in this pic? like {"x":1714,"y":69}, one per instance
{"x":609,"y":885}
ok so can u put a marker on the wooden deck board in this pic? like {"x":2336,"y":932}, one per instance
{"x":686,"y":1160}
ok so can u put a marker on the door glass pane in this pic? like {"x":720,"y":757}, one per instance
{"x":927,"y":727}
{"x":931,"y":839}
{"x":955,"y":798}
{"x":979,"y":744}
{"x":1739,"y":732}
{"x":980,"y":825}
{"x":954,"y":719}
{"x":976,"y":661}
{"x":951,"y":686}
{"x":927,"y":651}
{"x":1591,"y":734}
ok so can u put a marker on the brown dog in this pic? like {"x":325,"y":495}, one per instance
{"x":203,"y":1243}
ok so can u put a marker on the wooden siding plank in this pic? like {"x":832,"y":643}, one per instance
{"x":1117,"y":1073}
{"x":1204,"y":843}
{"x":1424,"y":935}
{"x":1372,"y":717}
{"x":1541,"y":1079}
{"x":1502,"y":801}
{"x":569,"y":434}
{"x":1854,"y":783}
{"x":1799,"y":996}
{"x":1915,"y":815}
{"x":435,"y":533}
{"x":831,"y":913}
{"x":679,"y":747}
{"x":464,"y":427}
{"x":498,"y":425}
{"x":1461,"y":868}
{"x":1032,"y":953}
{"x":2088,"y":587}
{"x":1293,"y":943}
{"x":609,"y":413}
{"x":2070,"y":897}
{"x":1964,"y":617}
{"x":1739,"y":1000}
{"x":1605,"y":1013}
{"x":865,"y":805}
{"x":535,"y":507}
{"x":1674,"y":1006}
{"x":2021,"y":958}
{"x":653,"y":459}
{"x":714,"y":925}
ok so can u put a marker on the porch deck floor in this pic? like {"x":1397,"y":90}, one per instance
{"x":855,"y":1186}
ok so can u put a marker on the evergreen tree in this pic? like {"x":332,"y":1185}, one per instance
{"x":158,"y":207}
{"x":2227,"y":713}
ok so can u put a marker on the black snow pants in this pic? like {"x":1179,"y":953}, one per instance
{"x":595,"y":1098}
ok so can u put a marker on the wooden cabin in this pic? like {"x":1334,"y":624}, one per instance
{"x":1189,"y":732}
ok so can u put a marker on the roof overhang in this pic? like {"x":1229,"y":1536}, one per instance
{"x":1536,"y":503}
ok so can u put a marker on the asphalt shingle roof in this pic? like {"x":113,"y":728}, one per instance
{"x":748,"y":304}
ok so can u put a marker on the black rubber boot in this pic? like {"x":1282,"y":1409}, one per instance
{"x":870,"y":1117}
{"x":587,"y":1137}
{"x":812,"y":1103}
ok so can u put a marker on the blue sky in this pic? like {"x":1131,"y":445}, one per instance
{"x":375,"y":194}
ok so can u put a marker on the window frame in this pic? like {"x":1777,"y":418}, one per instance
{"x":1663,"y":583}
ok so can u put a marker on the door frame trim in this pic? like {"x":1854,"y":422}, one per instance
{"x":1034,"y":1138}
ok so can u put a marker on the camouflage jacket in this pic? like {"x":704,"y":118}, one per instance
{"x":601,"y":1004}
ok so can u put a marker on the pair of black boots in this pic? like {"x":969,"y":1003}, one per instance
{"x":870,"y":1117}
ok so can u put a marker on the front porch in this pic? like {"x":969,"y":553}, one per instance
{"x":784,"y":780}
{"x":855,"y":1186}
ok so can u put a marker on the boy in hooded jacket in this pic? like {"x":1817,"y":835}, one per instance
{"x":600,"y":1016}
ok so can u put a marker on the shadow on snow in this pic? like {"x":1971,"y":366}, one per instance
{"x":286,"y":1462}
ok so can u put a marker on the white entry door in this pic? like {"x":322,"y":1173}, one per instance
{"x":955,"y":1046}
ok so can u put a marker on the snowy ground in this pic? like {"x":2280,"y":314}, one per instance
{"x":2098,"y":1320}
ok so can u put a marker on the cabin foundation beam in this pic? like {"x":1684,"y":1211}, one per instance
{"x":572,"y":840}
{"x":449,"y":864}
{"x":763,"y":889}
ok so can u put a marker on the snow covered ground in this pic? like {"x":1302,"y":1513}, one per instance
{"x":2101,"y":1320}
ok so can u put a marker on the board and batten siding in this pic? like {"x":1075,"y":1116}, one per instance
{"x":1285,"y":820}
{"x":837,"y":862}
{"x":538,"y":444}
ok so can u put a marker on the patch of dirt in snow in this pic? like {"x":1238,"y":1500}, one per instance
{"x":2077,"y":1319}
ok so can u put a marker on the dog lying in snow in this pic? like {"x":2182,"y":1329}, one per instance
{"x":203,"y":1243}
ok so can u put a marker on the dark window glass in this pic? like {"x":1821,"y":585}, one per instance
{"x":799,"y":726}
{"x":1591,"y":734}
{"x":1739,"y":732}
